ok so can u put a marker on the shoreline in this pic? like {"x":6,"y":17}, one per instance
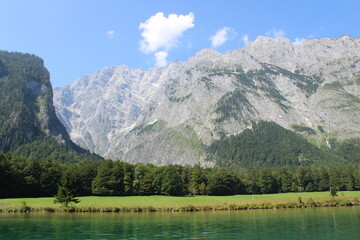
{"x":276,"y":204}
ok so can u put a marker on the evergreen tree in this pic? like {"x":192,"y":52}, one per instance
{"x":139,"y":173}
{"x":266,"y":181}
{"x":324,"y":180}
{"x":302,"y":178}
{"x":67,"y":191}
{"x":146,"y":183}
{"x":171,"y":181}
{"x":285,"y":180}
{"x":128,"y":178}
{"x":101,"y":185}
{"x":197,"y":182}
{"x":221,"y":182}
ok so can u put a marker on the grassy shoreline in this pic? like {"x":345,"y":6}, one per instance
{"x":184,"y":204}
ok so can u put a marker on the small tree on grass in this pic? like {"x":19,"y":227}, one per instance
{"x":67,"y":190}
{"x":333,"y":192}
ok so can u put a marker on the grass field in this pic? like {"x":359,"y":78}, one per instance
{"x":174,"y":202}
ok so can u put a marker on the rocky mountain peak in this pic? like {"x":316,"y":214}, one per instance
{"x":169,"y":115}
{"x":207,"y":53}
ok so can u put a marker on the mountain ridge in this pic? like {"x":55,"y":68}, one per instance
{"x":170,"y":114}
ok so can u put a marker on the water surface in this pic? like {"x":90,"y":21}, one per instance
{"x":316,"y":223}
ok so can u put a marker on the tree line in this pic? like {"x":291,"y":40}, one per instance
{"x":21,"y":177}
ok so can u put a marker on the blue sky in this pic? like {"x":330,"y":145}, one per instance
{"x":80,"y":37}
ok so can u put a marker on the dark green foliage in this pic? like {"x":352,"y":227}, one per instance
{"x":221,"y":182}
{"x":241,"y":79}
{"x":28,"y":123}
{"x":24,"y":72}
{"x":172,"y":183}
{"x":49,"y":149}
{"x":68,"y":189}
{"x":266,"y":181}
{"x":303,"y":129}
{"x":266,"y":144}
{"x":301,"y":178}
{"x":128,"y":178}
{"x":324,"y":179}
{"x":143,"y":179}
{"x":27,"y":177}
{"x":348,"y":149}
{"x":236,"y":104}
{"x":284,"y":179}
{"x":309,"y":84}
{"x":20,"y":177}
{"x":86,"y":172}
{"x":109,"y":180}
{"x":197,"y":184}
{"x":9,"y":177}
{"x":333,"y":192}
{"x":232,"y":105}
{"x":274,"y":94}
{"x":146,"y":184}
{"x":321,"y":129}
{"x":3,"y":70}
{"x":336,"y":86}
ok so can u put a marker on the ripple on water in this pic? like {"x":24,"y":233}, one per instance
{"x":318,"y":223}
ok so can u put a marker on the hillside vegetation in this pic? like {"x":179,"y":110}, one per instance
{"x":28,"y":124}
{"x":268,"y":144}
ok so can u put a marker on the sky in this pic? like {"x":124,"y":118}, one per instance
{"x":80,"y":37}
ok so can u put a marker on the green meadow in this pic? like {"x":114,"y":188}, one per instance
{"x":169,"y":202}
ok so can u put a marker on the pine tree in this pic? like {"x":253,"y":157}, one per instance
{"x":67,"y":190}
{"x":65,"y":196}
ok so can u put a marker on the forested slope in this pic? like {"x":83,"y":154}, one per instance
{"x":28,"y":123}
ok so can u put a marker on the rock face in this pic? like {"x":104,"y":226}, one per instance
{"x":29,"y":126}
{"x":169,"y":115}
{"x":27,"y":111}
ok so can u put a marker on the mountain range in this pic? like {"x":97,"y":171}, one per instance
{"x":191,"y":112}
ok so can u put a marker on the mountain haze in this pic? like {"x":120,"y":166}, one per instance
{"x":173,"y":114}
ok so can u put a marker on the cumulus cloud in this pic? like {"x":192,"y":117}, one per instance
{"x":161,"y":32}
{"x":221,"y":36}
{"x":298,"y":41}
{"x":110,"y":33}
{"x":245,"y":39}
{"x":161,"y":58}
{"x":275,"y":33}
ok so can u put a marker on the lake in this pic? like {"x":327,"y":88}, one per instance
{"x":314,"y":223}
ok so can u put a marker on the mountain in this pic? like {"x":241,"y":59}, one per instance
{"x":175,"y":113}
{"x":28,"y":123}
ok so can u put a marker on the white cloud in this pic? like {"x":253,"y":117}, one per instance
{"x":298,"y":41}
{"x":110,"y":33}
{"x":161,"y":58}
{"x":245,"y":38}
{"x":160,"y":32}
{"x":222,"y":36}
{"x":275,"y":33}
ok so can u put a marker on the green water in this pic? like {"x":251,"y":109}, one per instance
{"x":318,"y":223}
